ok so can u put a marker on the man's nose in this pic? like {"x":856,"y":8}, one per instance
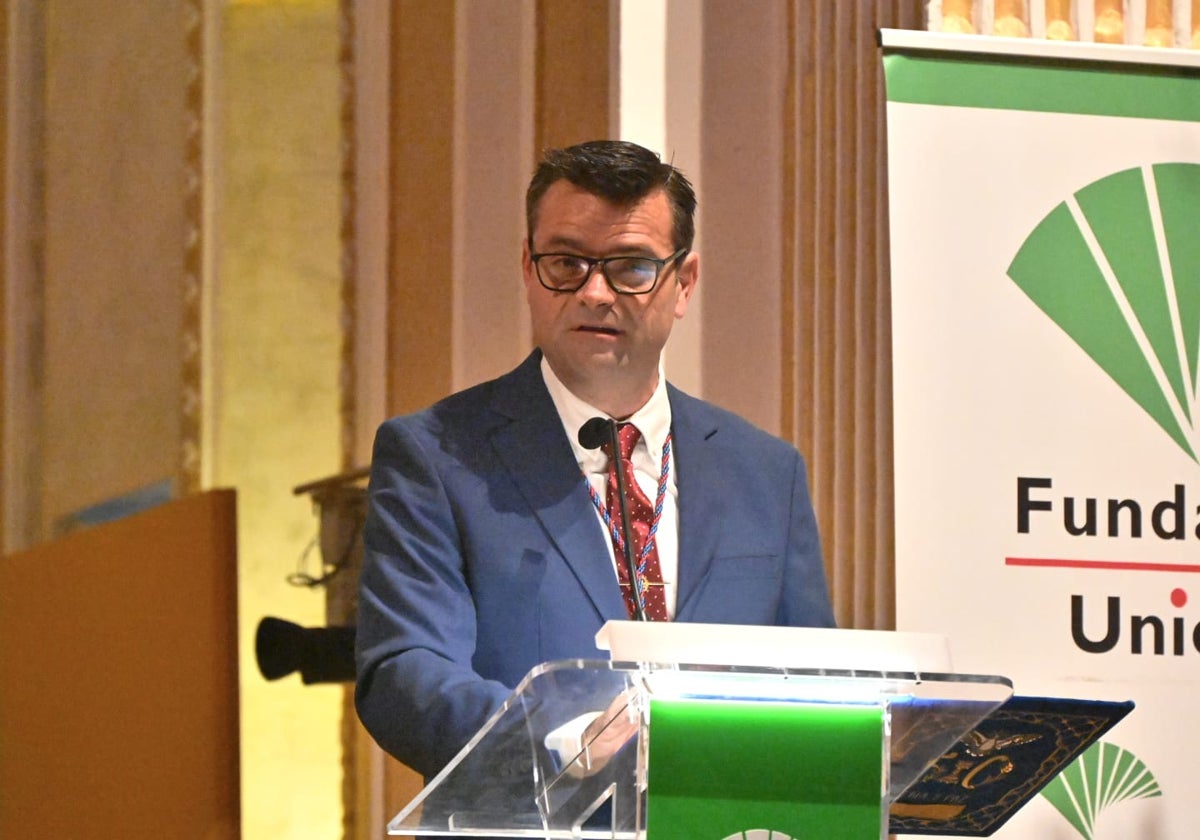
{"x":595,"y":289}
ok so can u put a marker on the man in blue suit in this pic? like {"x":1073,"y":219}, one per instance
{"x":486,"y":548}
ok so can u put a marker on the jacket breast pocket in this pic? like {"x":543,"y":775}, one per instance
{"x":748,"y":568}
{"x":739,"y":590}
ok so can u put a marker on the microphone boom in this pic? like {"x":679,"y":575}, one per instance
{"x":591,"y":436}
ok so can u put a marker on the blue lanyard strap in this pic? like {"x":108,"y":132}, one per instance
{"x":609,"y":523}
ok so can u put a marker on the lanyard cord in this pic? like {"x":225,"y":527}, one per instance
{"x":611,"y":525}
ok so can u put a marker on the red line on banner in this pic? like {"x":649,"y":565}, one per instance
{"x":1118,"y":565}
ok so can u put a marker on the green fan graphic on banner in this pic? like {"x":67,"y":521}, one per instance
{"x":1102,"y":776}
{"x":1117,"y":267}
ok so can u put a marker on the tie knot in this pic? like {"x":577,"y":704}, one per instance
{"x":628,"y":436}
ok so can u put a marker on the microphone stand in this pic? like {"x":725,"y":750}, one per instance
{"x":589,"y":437}
{"x":630,"y":565}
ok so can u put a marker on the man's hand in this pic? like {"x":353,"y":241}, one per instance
{"x":604,"y":736}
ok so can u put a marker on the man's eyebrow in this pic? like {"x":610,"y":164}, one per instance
{"x":564,"y":242}
{"x":567,"y":243}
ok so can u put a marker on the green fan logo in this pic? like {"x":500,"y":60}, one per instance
{"x":1104,"y":775}
{"x":1117,"y":267}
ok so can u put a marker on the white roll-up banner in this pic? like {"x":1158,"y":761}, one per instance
{"x":1045,"y":258}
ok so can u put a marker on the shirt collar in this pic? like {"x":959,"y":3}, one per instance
{"x":653,"y":419}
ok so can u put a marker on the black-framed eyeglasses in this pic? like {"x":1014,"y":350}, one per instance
{"x":624,"y":275}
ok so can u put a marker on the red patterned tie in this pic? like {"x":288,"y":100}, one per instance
{"x":641,"y":518}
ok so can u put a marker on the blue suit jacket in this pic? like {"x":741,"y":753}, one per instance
{"x":485,"y":558}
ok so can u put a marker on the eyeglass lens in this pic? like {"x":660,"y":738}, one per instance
{"x":563,"y":271}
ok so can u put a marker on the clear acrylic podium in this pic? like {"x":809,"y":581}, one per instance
{"x":722,"y":745}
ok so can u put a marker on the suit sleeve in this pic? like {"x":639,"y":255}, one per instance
{"x":805,"y":601}
{"x":417,"y":692}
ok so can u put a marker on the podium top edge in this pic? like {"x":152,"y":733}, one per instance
{"x":764,"y":646}
{"x":334,"y":481}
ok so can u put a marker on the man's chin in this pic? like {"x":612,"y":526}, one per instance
{"x":599,"y":362}
{"x":592,"y":366}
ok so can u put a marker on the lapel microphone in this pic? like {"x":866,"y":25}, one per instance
{"x":591,"y":436}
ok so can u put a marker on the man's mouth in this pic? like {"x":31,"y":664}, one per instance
{"x":597,"y":329}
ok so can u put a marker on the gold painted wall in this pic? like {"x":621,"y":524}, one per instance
{"x":274,"y":375}
{"x":114,"y":229}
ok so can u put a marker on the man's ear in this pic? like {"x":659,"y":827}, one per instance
{"x":527,"y":269}
{"x":687,"y":278}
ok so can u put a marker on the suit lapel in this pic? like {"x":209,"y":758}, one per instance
{"x":534,"y":450}
{"x":698,"y":477}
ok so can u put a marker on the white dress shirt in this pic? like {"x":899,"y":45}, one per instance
{"x":653,"y":420}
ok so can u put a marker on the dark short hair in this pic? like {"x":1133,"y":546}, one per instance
{"x":620,"y":172}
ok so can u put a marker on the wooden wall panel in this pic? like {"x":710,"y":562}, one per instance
{"x":740,"y":203}
{"x":4,"y":104}
{"x":575,"y":86}
{"x":836,"y":298}
{"x":421,"y":189}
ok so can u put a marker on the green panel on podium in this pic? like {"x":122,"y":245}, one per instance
{"x":723,"y":768}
